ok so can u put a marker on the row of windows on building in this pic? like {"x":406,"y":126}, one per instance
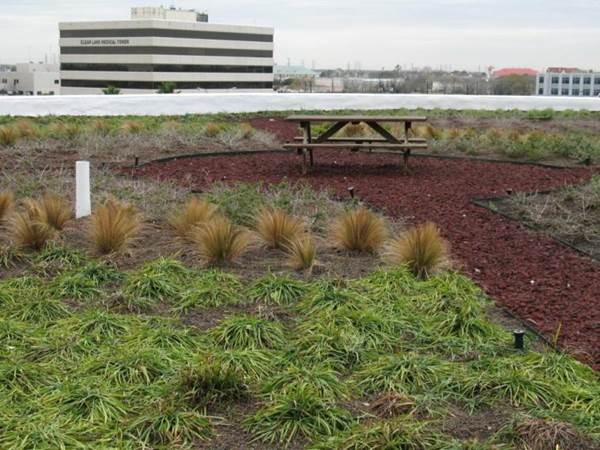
{"x":164,"y":68}
{"x":179,"y":84}
{"x":572,"y":92}
{"x":573,"y":80}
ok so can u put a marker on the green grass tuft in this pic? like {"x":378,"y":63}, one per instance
{"x":276,"y":289}
{"x":294,"y":414}
{"x":246,"y":332}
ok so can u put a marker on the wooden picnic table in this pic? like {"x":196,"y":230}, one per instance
{"x":306,"y":143}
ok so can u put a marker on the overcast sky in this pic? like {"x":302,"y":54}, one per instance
{"x":375,"y":33}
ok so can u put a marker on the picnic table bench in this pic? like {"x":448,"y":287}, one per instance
{"x":384,"y":139}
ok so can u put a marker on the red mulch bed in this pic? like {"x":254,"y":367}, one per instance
{"x":534,"y":276}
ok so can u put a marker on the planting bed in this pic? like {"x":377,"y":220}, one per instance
{"x":540,"y":280}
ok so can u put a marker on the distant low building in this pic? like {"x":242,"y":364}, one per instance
{"x":31,"y":79}
{"x":514,"y":71}
{"x":286,"y":72}
{"x":568,"y":81}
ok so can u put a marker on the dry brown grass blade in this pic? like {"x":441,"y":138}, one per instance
{"x":302,"y":252}
{"x":196,"y":211}
{"x":55,"y":210}
{"x":540,"y":434}
{"x":359,"y":230}
{"x":113,"y":226}
{"x":422,"y":249}
{"x":28,"y":227}
{"x":6,"y":204}
{"x":276,"y":228}
{"x":219,"y":241}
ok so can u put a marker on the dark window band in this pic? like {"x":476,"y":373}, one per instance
{"x":179,"y":85}
{"x":165,"y":51}
{"x":155,"y":32}
{"x":98,"y":67}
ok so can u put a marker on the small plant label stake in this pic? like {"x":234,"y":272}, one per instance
{"x":83,"y":200}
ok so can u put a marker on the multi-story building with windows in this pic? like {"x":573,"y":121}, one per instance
{"x":164,"y":45}
{"x":31,"y":79}
{"x":568,"y":81}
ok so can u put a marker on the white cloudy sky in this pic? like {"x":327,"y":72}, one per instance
{"x":376,"y":33}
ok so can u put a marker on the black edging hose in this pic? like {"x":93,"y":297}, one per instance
{"x":413,"y":155}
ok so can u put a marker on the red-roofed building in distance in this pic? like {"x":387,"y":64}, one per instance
{"x":512,"y":71}
{"x":563,"y":70}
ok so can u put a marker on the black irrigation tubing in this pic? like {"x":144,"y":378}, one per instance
{"x":416,"y":155}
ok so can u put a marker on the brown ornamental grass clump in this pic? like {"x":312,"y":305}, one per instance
{"x":302,"y":252}
{"x":56,"y":212}
{"x":29,"y":229}
{"x":8,"y":135}
{"x":195,"y":212}
{"x":113,"y":226}
{"x":6,"y":204}
{"x":219,"y":241}
{"x":422,"y":249}
{"x":359,"y":230}
{"x":276,"y":228}
{"x":132,"y":127}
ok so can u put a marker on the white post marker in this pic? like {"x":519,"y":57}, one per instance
{"x":83,"y":200}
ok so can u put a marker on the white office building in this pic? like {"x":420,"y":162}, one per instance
{"x":164,"y":45}
{"x":31,"y":79}
{"x":568,"y":82}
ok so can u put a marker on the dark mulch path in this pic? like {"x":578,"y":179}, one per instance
{"x":537,"y":278}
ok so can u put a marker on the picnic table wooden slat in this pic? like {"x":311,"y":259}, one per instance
{"x":352,"y":118}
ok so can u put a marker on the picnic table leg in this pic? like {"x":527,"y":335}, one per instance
{"x":306,"y":138}
{"x":406,"y":155}
{"x":407,"y":130}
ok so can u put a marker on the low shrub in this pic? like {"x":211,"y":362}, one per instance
{"x":219,"y":241}
{"x":359,"y":230}
{"x":276,"y":228}
{"x":195,"y":212}
{"x":421,"y":249}
{"x":113,"y":226}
